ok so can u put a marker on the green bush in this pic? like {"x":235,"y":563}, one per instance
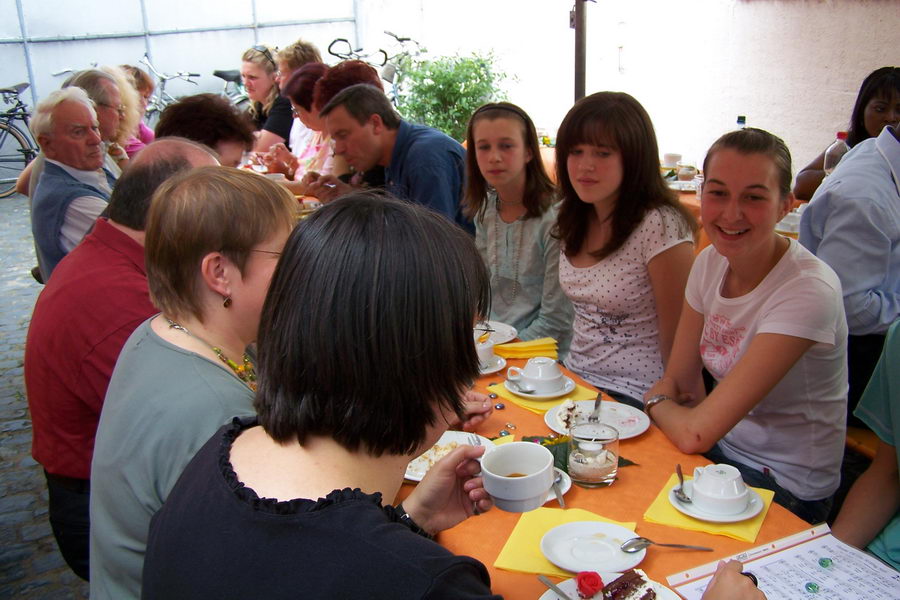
{"x":444,"y":92}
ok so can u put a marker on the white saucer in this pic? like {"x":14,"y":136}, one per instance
{"x":753,"y":507}
{"x":418,"y":466}
{"x":590,"y":546}
{"x":567,"y":388}
{"x":570,"y":587}
{"x":501,"y":333}
{"x":628,"y":421}
{"x":565,"y":484}
{"x":683,"y":186}
{"x":499,"y":363}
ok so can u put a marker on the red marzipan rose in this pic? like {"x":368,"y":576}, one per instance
{"x":589,"y":583}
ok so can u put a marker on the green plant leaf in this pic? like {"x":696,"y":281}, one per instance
{"x":443,"y":92}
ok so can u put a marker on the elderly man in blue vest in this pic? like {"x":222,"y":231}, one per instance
{"x":74,"y":187}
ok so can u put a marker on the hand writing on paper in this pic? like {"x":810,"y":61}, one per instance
{"x":729,"y":584}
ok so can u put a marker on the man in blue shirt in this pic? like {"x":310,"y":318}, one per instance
{"x":421,"y":164}
{"x":853,"y":224}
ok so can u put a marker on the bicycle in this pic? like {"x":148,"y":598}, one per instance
{"x":17,"y":149}
{"x":341,"y":48}
{"x":161,"y":98}
{"x":392,"y":66}
{"x":397,"y":64}
{"x":234,"y":88}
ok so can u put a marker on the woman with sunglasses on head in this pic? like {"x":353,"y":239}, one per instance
{"x":766,"y":318}
{"x":511,"y":199}
{"x":271,"y":112}
{"x":626,"y":245}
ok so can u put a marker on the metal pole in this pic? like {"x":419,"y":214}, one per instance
{"x":255,"y":23}
{"x":145,"y":23}
{"x":26,"y":49}
{"x":579,"y":25}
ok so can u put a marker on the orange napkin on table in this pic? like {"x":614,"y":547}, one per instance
{"x":661,"y":511}
{"x":541,"y":406}
{"x":522,"y":551}
{"x":540,"y":347}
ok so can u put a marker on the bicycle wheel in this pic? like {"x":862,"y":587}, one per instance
{"x":16,"y":151}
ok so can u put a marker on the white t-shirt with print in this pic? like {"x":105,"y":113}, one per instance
{"x":616,"y":330}
{"x":796,"y":433}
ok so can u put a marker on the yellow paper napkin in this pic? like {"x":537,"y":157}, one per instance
{"x":661,"y":511}
{"x":522,"y":551}
{"x":541,"y":406}
{"x":540,"y":347}
{"x":505,"y":439}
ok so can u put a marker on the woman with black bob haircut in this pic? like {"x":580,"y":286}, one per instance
{"x":365,"y":354}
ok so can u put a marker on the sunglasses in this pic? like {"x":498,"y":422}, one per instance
{"x":265,"y":52}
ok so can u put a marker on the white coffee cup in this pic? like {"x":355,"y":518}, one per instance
{"x":518,"y":475}
{"x":670,"y":159}
{"x":486,"y":356}
{"x":541,"y":374}
{"x":719,"y":489}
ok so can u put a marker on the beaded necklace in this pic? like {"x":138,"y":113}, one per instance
{"x":495,"y":267}
{"x":245,"y":372}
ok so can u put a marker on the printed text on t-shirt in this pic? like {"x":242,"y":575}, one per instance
{"x":721,"y":344}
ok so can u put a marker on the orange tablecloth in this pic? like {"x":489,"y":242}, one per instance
{"x":483,"y":537}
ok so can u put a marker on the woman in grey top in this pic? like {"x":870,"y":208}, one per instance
{"x":213,"y":238}
{"x":511,"y":199}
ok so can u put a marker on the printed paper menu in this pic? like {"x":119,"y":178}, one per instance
{"x":820,"y":568}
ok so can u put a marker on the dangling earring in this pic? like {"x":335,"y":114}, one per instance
{"x":227,"y":302}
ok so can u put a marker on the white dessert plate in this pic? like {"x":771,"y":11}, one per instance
{"x":629,"y":421}
{"x":571,"y":589}
{"x":565,"y":484}
{"x":501,"y":333}
{"x":418,"y":466}
{"x":499,"y":363}
{"x":683,"y":186}
{"x":753,"y":507}
{"x":590,"y":546}
{"x":567,"y":388}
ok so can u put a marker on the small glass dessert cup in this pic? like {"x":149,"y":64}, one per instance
{"x":593,"y":454}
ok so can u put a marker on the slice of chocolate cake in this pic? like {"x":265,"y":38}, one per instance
{"x":631,"y":585}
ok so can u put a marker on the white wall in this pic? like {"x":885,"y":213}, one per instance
{"x":791,"y":66}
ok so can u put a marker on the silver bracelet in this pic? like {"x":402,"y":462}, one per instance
{"x":653,"y":401}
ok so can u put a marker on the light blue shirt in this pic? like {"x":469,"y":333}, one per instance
{"x":853,"y":224}
{"x":523,"y":259}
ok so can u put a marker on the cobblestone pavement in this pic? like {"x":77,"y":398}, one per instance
{"x":30,"y":564}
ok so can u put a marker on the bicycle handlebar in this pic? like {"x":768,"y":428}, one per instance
{"x":397,"y":37}
{"x":343,"y":55}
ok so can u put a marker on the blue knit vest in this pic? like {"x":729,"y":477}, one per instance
{"x":55,"y":191}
